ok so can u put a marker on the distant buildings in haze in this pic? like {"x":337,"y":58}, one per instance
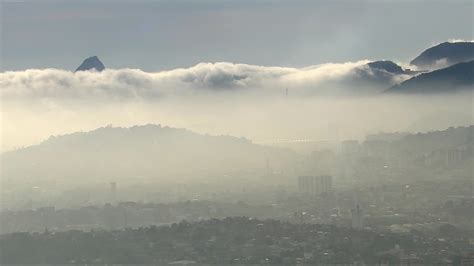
{"x":314,"y":185}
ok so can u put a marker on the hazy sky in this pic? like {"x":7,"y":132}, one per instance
{"x":157,"y":35}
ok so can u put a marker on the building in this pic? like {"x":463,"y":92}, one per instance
{"x":314,"y":185}
{"x":357,"y":217}
{"x":113,"y":192}
{"x":350,"y":147}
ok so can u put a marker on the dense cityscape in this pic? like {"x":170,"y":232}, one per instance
{"x":282,"y":219}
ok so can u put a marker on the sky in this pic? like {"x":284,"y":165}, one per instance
{"x":163,"y":35}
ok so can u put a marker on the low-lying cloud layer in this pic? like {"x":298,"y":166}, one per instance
{"x":122,"y":84}
{"x":220,"y":98}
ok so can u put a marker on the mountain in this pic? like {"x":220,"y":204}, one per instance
{"x":376,"y":76}
{"x":461,"y":137}
{"x":444,"y":54}
{"x":435,"y":154}
{"x":445,"y":153}
{"x":387,"y":66}
{"x":454,"y":78}
{"x":91,"y":63}
{"x":149,"y":151}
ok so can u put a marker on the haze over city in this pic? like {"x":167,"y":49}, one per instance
{"x":207,"y":127}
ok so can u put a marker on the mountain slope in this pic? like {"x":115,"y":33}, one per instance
{"x":454,"y":78}
{"x":149,"y":151}
{"x":444,"y":54}
{"x":449,"y":139}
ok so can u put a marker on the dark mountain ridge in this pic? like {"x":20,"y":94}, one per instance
{"x":449,"y":52}
{"x":454,"y":78}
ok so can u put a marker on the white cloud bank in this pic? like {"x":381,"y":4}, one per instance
{"x":458,"y":40}
{"x":120,"y":84}
{"x":216,"y":98}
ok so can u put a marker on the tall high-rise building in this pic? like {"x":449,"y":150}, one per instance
{"x":314,"y":185}
{"x":357,"y":217}
{"x":113,"y":192}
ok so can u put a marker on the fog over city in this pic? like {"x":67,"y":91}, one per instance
{"x":255,"y":102}
{"x":224,"y":132}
